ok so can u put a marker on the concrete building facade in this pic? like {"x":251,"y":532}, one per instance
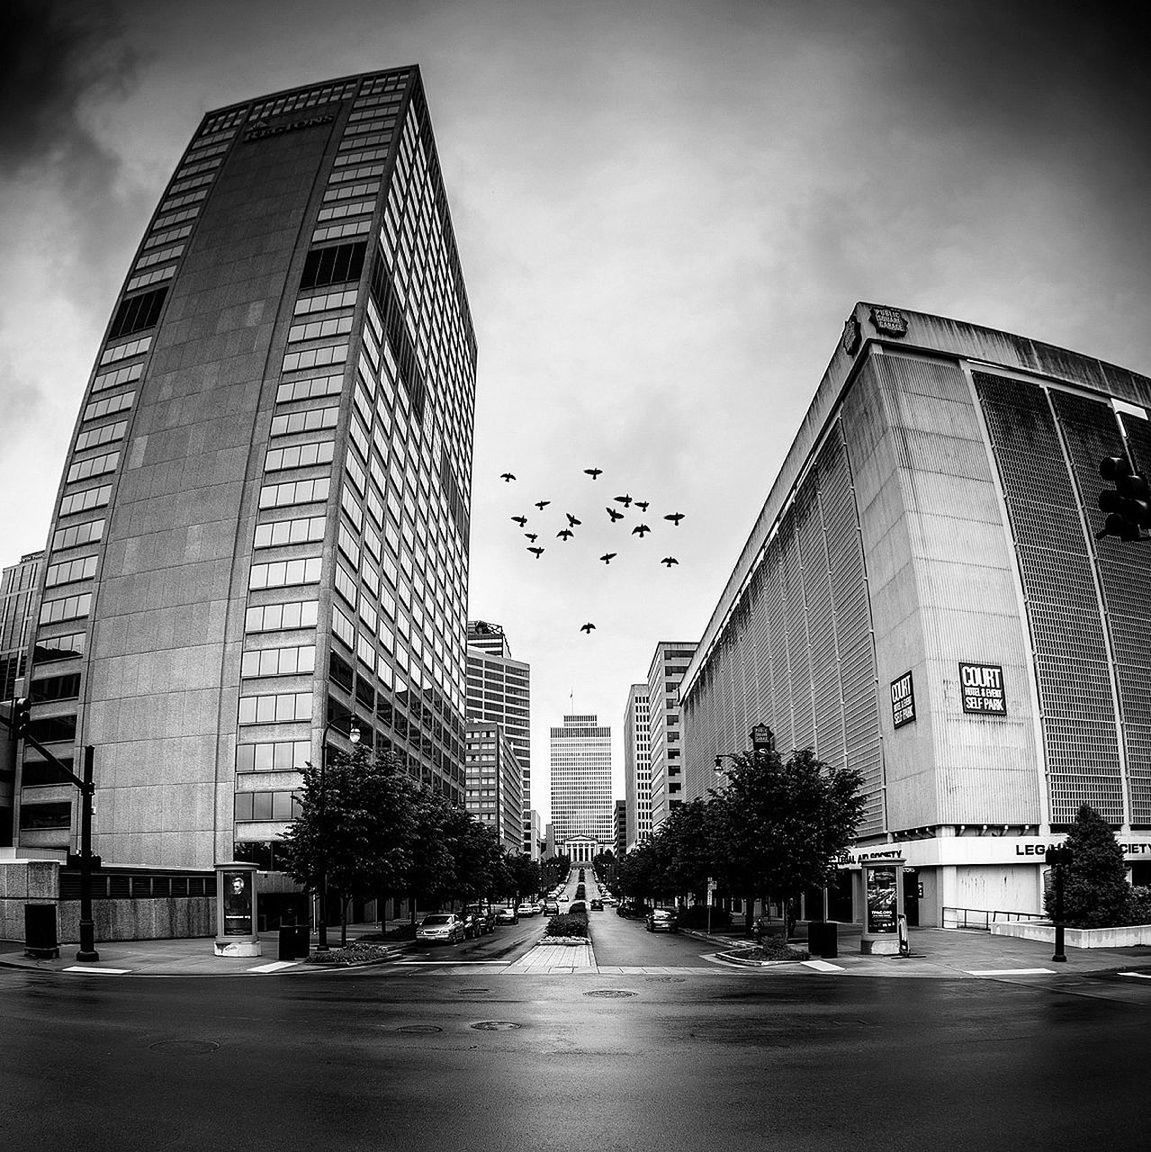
{"x":499,"y":691}
{"x":581,"y":780}
{"x":637,"y":766}
{"x":668,"y":664}
{"x":261,"y":532}
{"x":923,"y":598}
{"x":493,"y":783}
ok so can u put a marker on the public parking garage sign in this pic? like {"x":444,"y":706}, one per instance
{"x":982,"y":687}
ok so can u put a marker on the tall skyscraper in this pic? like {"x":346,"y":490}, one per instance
{"x":499,"y":691}
{"x":261,"y":534}
{"x":924,"y":598}
{"x":668,"y":664}
{"x":637,"y":765}
{"x":18,"y":607}
{"x":581,"y":780}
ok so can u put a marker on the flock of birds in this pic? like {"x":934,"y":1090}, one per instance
{"x":567,"y":531}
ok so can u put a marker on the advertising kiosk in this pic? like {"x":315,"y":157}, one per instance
{"x":236,"y":921}
{"x":884,"y":923}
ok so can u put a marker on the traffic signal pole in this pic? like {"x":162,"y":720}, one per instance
{"x":18,"y":726}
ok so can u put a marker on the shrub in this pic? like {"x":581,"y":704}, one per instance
{"x":567,"y":925}
{"x":776,"y":948}
{"x":578,"y":908}
{"x":696,"y":917}
{"x":1140,"y":906}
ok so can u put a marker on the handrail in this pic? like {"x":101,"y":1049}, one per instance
{"x":983,"y":918}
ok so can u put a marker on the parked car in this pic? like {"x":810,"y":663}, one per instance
{"x":506,"y":914}
{"x":477,"y":922}
{"x":596,"y":905}
{"x":551,"y":908}
{"x":661,"y":920}
{"x":526,"y":909}
{"x":441,"y":928}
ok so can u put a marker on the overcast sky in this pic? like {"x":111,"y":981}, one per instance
{"x":664,"y":212}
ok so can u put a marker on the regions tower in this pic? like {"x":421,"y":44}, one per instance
{"x":260,"y":540}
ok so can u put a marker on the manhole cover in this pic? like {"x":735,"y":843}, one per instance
{"x":420,"y":1028}
{"x":610,"y":993}
{"x":495,"y":1026}
{"x":197,"y":1047}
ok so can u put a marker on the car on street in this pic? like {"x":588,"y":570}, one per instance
{"x":661,"y":920}
{"x":441,"y":928}
{"x":526,"y":909}
{"x":596,"y":904}
{"x":477,"y":922}
{"x":551,"y":908}
{"x":506,"y":914}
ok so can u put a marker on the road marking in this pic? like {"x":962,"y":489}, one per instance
{"x":1137,"y":975}
{"x":275,"y":966}
{"x":100,"y":971}
{"x":1011,"y":972}
{"x":822,"y":966}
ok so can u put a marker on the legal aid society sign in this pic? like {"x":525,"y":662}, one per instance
{"x":982,"y":689}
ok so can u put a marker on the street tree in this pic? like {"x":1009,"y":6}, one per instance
{"x":779,"y":826}
{"x":1095,"y":892}
{"x":432,"y":876}
{"x":684,"y":843}
{"x":356,"y":826}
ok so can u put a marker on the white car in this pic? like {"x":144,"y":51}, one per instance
{"x":441,"y":928}
{"x":526,"y":909}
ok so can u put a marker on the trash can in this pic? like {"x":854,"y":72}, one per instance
{"x":822,"y":939}
{"x":293,"y":941}
{"x":40,"y":932}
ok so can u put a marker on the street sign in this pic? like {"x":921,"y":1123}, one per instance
{"x":982,"y":688}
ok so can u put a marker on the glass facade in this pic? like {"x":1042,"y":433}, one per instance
{"x":262,"y":531}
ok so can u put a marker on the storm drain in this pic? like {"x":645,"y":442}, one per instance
{"x":495,"y":1026}
{"x":420,"y":1029}
{"x":610,"y":993}
{"x":194,"y":1047}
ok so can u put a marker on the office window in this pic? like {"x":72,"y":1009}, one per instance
{"x":305,"y":529}
{"x":299,"y":455}
{"x":273,"y":756}
{"x":279,"y":661}
{"x":274,"y":709}
{"x":309,"y":421}
{"x":299,"y":492}
{"x":283,"y":573}
{"x":281,"y":617}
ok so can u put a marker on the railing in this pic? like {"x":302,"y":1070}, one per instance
{"x":982,"y":918}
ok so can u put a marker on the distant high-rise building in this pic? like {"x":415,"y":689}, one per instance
{"x":536,"y":835}
{"x":493,"y":783}
{"x":637,"y":765}
{"x":668,"y":664}
{"x":261,"y":533}
{"x":18,"y":609}
{"x":581,"y":780}
{"x":620,"y":846}
{"x":499,"y":691}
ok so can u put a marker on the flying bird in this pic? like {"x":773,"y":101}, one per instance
{"x":542,"y":504}
{"x":594,"y":472}
{"x":572,"y":521}
{"x":589,"y":628}
{"x":522,"y":521}
{"x":565,"y":534}
{"x":624,"y":500}
{"x":643,"y":505}
{"x":538,"y":552}
{"x":614,"y":515}
{"x":669,"y":561}
{"x":640,"y":529}
{"x":607,"y":557}
{"x":507,"y":477}
{"x":532,"y":536}
{"x":675,"y":518}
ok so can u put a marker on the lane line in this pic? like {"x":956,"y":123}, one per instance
{"x":99,"y":971}
{"x":275,"y":966}
{"x":1137,"y":975}
{"x":1011,"y":972}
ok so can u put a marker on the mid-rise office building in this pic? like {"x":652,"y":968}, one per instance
{"x":924,"y":598}
{"x":668,"y":664}
{"x":637,"y":766}
{"x":493,"y":783}
{"x":261,"y":532}
{"x":582,"y":804}
{"x":499,"y":691}
{"x":19,"y":585}
{"x":620,"y":846}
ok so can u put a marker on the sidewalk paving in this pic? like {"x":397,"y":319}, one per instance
{"x":936,"y":953}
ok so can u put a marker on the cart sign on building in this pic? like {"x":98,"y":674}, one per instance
{"x":902,"y":700}
{"x":982,"y":686}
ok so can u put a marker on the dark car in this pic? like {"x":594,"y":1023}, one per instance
{"x":631,"y":910}
{"x":477,"y":922}
{"x":661,"y":920}
{"x":551,"y":908}
{"x":596,"y":905}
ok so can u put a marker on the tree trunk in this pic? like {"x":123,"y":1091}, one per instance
{"x":343,"y":920}
{"x":749,"y":916}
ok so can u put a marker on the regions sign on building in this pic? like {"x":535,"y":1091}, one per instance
{"x":982,"y":686}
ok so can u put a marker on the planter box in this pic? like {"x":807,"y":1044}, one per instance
{"x":1128,"y":937}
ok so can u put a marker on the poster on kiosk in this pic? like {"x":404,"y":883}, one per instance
{"x":236,"y":908}
{"x":884,"y":922}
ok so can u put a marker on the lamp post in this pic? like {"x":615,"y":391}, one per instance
{"x":322,"y":894}
{"x":1059,"y":858}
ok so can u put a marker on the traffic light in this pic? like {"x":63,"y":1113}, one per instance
{"x":1128,"y":504}
{"x":21,"y":717}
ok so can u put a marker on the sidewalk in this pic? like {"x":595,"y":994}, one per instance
{"x":936,"y":953}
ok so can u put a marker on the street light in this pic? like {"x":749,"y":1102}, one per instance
{"x":322,"y":908}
